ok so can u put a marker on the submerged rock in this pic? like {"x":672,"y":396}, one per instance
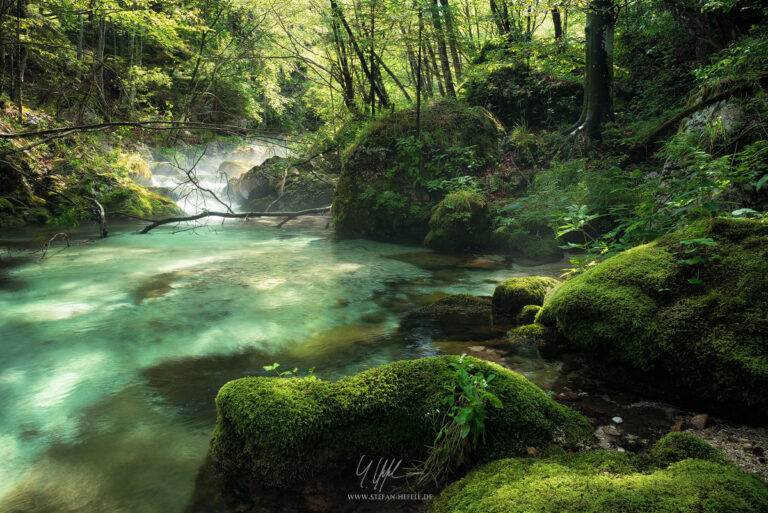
{"x":541,"y":248}
{"x":390,"y":181}
{"x":681,"y":474}
{"x":460,"y":314}
{"x":685,"y":314}
{"x":278,"y":432}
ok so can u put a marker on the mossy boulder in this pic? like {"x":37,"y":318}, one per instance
{"x":521,"y":95}
{"x":133,"y":166}
{"x":390,"y":180}
{"x":278,"y":431}
{"x":536,"y":247}
{"x":687,"y":313}
{"x":459,"y":314}
{"x":528,"y":314}
{"x":460,"y":221}
{"x":513,"y":294}
{"x":284,"y":186}
{"x":125,"y":196}
{"x":607,"y":482}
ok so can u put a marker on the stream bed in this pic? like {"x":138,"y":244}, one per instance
{"x":114,"y":350}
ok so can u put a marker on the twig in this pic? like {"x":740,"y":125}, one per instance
{"x":47,"y":245}
{"x":289,"y":215}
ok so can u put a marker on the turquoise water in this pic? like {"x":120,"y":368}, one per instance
{"x":113,"y":350}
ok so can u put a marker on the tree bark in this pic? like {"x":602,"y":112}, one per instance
{"x":598,"y":83}
{"x":558,"y":23}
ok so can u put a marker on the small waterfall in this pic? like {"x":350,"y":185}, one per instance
{"x":213,"y":171}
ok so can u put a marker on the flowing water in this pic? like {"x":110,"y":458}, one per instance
{"x":113,"y":350}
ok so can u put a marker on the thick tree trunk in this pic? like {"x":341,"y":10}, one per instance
{"x":598,"y":83}
{"x":558,"y":23}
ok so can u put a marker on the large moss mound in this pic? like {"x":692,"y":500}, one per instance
{"x":609,"y":482}
{"x":688,"y":312}
{"x":518,"y":95}
{"x":276,"y":431}
{"x":390,"y":181}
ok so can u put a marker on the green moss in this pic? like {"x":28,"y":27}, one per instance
{"x":390,"y":181}
{"x":520,"y":95}
{"x":676,"y":447}
{"x":127,"y":197}
{"x":528,"y":332}
{"x":605,"y":482}
{"x":639,"y":317}
{"x":528,"y":314}
{"x":513,"y":294}
{"x":274,"y":431}
{"x":460,"y":221}
{"x":5,"y":205}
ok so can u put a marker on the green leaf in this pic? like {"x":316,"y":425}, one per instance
{"x":464,"y":430}
{"x":695,"y":281}
{"x":761,"y":182}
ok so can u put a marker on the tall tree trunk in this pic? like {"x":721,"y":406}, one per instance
{"x":558,"y":23}
{"x":434,"y":68}
{"x":346,"y":81}
{"x":598,"y":83}
{"x":21,"y":60}
{"x":452,"y":41}
{"x":442,"y":50}
{"x":80,"y":36}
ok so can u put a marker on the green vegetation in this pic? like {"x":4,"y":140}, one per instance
{"x":694,"y":479}
{"x":391,"y":180}
{"x":276,"y":430}
{"x":694,"y":325}
{"x":512,"y":295}
{"x":460,"y":221}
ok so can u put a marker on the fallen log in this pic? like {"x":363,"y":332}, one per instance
{"x":240,"y":215}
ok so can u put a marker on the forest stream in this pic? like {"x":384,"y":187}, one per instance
{"x":107,"y":403}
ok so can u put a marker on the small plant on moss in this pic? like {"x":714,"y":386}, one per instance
{"x":290,"y":373}
{"x":463,"y":426}
{"x":695,"y":247}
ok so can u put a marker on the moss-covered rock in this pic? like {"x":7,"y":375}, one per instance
{"x":133,"y":166}
{"x":234,"y":168}
{"x":390,"y":181}
{"x":277,"y":431}
{"x":687,"y":313}
{"x":528,"y":314}
{"x":284,"y":186}
{"x":125,"y":196}
{"x":513,"y":294}
{"x":520,"y":95}
{"x":460,"y":221}
{"x":459,"y":314}
{"x":541,"y":248}
{"x":607,"y":482}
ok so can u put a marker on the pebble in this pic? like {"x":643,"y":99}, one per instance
{"x":700,"y":421}
{"x":617,"y":420}
{"x":476,"y":348}
{"x":609,"y":430}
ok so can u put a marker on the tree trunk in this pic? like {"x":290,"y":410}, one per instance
{"x":433,"y":68}
{"x":558,"y":23}
{"x":442,"y":50}
{"x":452,"y":42}
{"x":598,"y":83}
